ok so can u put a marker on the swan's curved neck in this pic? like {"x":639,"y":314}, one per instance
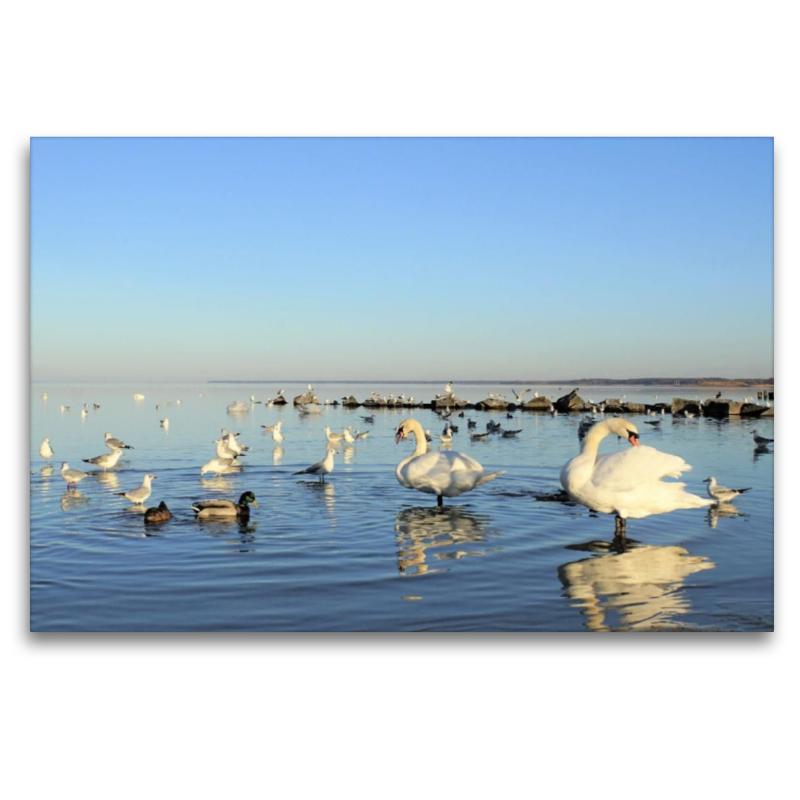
{"x":591,"y":443}
{"x":419,"y":436}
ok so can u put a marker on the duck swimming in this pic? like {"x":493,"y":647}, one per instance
{"x":225,"y":509}
{"x":155,"y":515}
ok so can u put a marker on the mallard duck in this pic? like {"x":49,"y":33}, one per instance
{"x":155,"y":515}
{"x":225,"y":509}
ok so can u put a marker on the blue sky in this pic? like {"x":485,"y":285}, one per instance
{"x":336,"y":259}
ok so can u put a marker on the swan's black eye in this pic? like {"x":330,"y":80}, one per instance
{"x":634,"y":435}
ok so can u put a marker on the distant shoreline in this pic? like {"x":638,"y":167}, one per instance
{"x":675,"y":382}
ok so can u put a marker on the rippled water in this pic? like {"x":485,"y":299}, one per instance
{"x":359,"y":552}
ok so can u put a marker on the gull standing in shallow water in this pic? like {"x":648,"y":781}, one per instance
{"x":217,"y":466}
{"x":116,"y":444}
{"x":105,"y":461}
{"x":141,"y":493}
{"x":72,"y":476}
{"x":45,"y":451}
{"x":722,"y":494}
{"x":321,"y":468}
{"x":443,"y":473}
{"x":627,"y":483}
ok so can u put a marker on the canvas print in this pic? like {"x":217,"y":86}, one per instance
{"x":399,"y":384}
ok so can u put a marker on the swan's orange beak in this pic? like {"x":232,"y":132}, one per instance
{"x":400,"y":436}
{"x":634,"y":439}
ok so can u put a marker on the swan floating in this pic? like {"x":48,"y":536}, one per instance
{"x":628,"y":483}
{"x":443,"y":473}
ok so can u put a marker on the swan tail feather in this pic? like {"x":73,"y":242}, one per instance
{"x":490,"y":477}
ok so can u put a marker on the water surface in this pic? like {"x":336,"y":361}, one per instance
{"x":360,"y":552}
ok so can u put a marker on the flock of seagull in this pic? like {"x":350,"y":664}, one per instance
{"x":628,"y":484}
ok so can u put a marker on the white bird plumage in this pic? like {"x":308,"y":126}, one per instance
{"x":138,"y":495}
{"x":628,"y":483}
{"x":443,"y":473}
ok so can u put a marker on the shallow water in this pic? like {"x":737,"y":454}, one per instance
{"x":360,"y":552}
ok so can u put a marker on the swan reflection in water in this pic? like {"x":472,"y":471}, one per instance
{"x":421,"y":529}
{"x":638,"y":589}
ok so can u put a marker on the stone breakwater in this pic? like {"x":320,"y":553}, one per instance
{"x":571,"y":403}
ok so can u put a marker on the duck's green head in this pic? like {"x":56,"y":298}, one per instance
{"x":248,"y":497}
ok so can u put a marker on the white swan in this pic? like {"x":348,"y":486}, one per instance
{"x":443,"y":473}
{"x":628,"y":483}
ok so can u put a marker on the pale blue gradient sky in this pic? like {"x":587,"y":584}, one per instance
{"x":336,"y":259}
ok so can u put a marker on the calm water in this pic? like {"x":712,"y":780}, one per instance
{"x":360,"y":552}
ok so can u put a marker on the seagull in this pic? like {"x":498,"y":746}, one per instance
{"x":165,"y":424}
{"x":471,"y":423}
{"x":447,"y":435}
{"x":348,"y":435}
{"x":360,"y":435}
{"x":370,"y":419}
{"x":232,"y":444}
{"x":141,"y":493}
{"x":72,"y":476}
{"x":216,"y":465}
{"x":428,"y":437}
{"x":321,"y":468}
{"x":721,"y":493}
{"x":65,"y":408}
{"x":760,"y":440}
{"x":116,"y":444}
{"x":84,"y":413}
{"x":521,"y":394}
{"x":477,"y":436}
{"x":333,"y":438}
{"x":277,"y":435}
{"x":449,"y":388}
{"x":45,"y":451}
{"x":509,"y":434}
{"x":106,"y":461}
{"x":225,"y":452}
{"x":44,"y":396}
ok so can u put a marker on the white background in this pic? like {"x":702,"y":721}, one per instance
{"x":681,"y":715}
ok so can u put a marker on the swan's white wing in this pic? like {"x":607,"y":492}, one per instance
{"x":443,"y":473}
{"x":630,"y":469}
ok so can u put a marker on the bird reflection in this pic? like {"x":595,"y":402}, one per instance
{"x":47,"y":471}
{"x":220,"y":528}
{"x":218,"y":484}
{"x":348,"y":454}
{"x":761,"y":450}
{"x":722,"y":510}
{"x":420,"y":529}
{"x":639,"y":589}
{"x":277,"y":455}
{"x":327,"y":491}
{"x":110,"y":480}
{"x":70,"y":500}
